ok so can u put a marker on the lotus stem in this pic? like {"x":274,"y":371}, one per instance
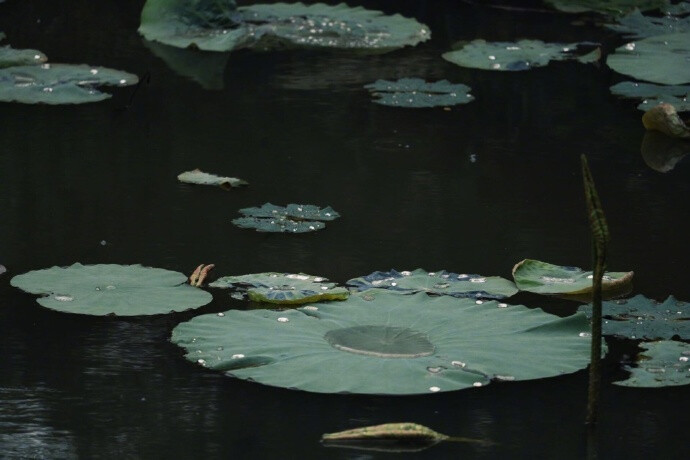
{"x":600,"y":238}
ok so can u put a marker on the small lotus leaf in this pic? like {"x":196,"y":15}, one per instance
{"x":199,"y":177}
{"x":665,"y":119}
{"x":661,"y":153}
{"x":660,"y":59}
{"x":10,"y":57}
{"x":508,"y":56}
{"x":545,"y":278}
{"x":293,"y":218}
{"x":415,"y":92}
{"x":653,"y":95}
{"x":218,"y":26}
{"x":605,"y":6}
{"x":378,"y":342}
{"x":283,"y":288}
{"x":643,"y":318}
{"x":439,"y":283}
{"x":664,"y":364}
{"x":59,"y":83}
{"x":637,"y":25}
{"x":106,"y":289}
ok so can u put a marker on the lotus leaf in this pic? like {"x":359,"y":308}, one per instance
{"x":637,"y":25}
{"x":605,"y":6}
{"x":199,"y":177}
{"x":660,"y":59}
{"x":293,"y":218}
{"x":439,"y":283}
{"x":106,"y":289}
{"x":415,"y":92}
{"x":283,"y":288}
{"x":654,"y":95}
{"x":59,"y":83}
{"x":661,"y":153}
{"x":665,"y":119}
{"x":218,"y":26}
{"x":664,"y":364}
{"x":379,"y":342}
{"x":678,"y":9}
{"x":643,"y":318}
{"x":278,"y":225}
{"x":10,"y":57}
{"x":545,"y":278}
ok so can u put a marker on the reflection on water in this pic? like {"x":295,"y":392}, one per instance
{"x":661,"y":152}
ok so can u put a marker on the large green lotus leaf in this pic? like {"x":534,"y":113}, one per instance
{"x":59,"y":83}
{"x":218,"y":26}
{"x":661,"y":152}
{"x":508,"y":56}
{"x":643,"y":318}
{"x":107,"y":289}
{"x":415,"y":92}
{"x":545,"y":278}
{"x":652,"y":95}
{"x":660,"y":59}
{"x":201,"y":178}
{"x":439,"y":283}
{"x":637,"y":25}
{"x":379,"y":342}
{"x":207,"y":68}
{"x":663,"y":364}
{"x":10,"y":57}
{"x":283,"y":288}
{"x":606,"y":6}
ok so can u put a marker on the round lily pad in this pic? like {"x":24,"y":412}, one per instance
{"x":107,"y":289}
{"x":663,"y":364}
{"x":438,"y":283}
{"x":293,"y":218}
{"x":660,"y":59}
{"x":283,"y":288}
{"x":643,"y":318}
{"x":59,"y":83}
{"x":379,"y":342}
{"x":415,"y":92}
{"x":545,"y":278}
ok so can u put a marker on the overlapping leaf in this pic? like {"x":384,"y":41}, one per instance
{"x":293,"y":218}
{"x":415,"y":92}
{"x":663,"y":364}
{"x":653,"y":95}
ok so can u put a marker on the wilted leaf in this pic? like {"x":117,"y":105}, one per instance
{"x":665,"y":119}
{"x":415,"y":92}
{"x":201,"y":178}
{"x":663,"y":364}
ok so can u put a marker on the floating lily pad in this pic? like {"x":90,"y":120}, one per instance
{"x":665,"y":119}
{"x":10,"y":57}
{"x":218,"y":26}
{"x":293,"y":218}
{"x":379,"y":342}
{"x":653,"y":95}
{"x":283,"y":288}
{"x":509,"y":56}
{"x":59,"y":83}
{"x":415,"y":92}
{"x":661,"y":153}
{"x":663,"y":364}
{"x":199,"y":177}
{"x":106,"y":289}
{"x":389,"y":437}
{"x":439,"y":283}
{"x":643,"y":318}
{"x":605,"y":6}
{"x":660,"y":59}
{"x":545,"y":278}
{"x":637,"y":25}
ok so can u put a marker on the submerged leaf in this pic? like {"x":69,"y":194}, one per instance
{"x":637,"y":25}
{"x":438,"y":283}
{"x":653,"y":95}
{"x":665,"y":119}
{"x":605,"y":6}
{"x":293,"y":218}
{"x":378,"y":342}
{"x":106,"y":289}
{"x":643,"y":318}
{"x":59,"y":83}
{"x":199,"y":177}
{"x":545,"y":278}
{"x":283,"y":288}
{"x":415,"y":92}
{"x":207,"y":68}
{"x":662,"y":364}
{"x":660,"y":59}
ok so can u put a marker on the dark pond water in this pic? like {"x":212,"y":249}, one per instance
{"x":474,"y":189}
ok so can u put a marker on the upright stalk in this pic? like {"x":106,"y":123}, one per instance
{"x":600,"y":239}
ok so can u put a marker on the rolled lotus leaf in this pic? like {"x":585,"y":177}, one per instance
{"x":218,"y":26}
{"x":387,"y":431}
{"x":637,"y":25}
{"x":378,"y":342}
{"x":59,"y":83}
{"x":661,"y":153}
{"x":605,"y":6}
{"x":199,"y":177}
{"x":643,"y":318}
{"x":509,"y":56}
{"x":108,"y":289}
{"x":415,"y":92}
{"x":663,"y":364}
{"x":665,"y":119}
{"x":653,"y":95}
{"x":660,"y":59}
{"x":283,"y":288}
{"x":438,"y":283}
{"x":545,"y":278}
{"x":10,"y":57}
